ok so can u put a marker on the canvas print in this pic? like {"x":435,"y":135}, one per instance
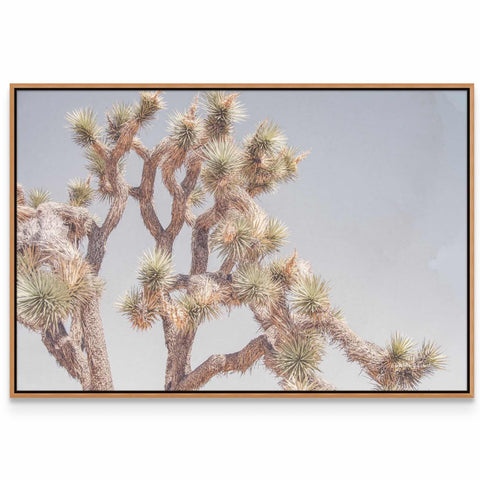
{"x":241,"y":240}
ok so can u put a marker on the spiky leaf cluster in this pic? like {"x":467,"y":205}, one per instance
{"x":80,"y":193}
{"x":272,"y":236}
{"x":197,"y":197}
{"x":241,"y":237}
{"x":185,"y":129}
{"x":150,"y":103}
{"x":400,"y":349}
{"x":140,"y":307}
{"x":117,"y":118}
{"x":284,"y":270}
{"x":37,"y":196}
{"x":84,"y":127}
{"x":223,"y":110}
{"x":96,"y":165}
{"x":296,"y":385}
{"x":297,"y":356}
{"x":156,"y":270}
{"x":403,"y":367}
{"x":268,"y":139}
{"x":221,"y":166}
{"x":29,"y":260}
{"x":203,"y":303}
{"x":310,"y":295}
{"x":264,"y":173}
{"x":254,"y":285}
{"x":83,"y":285}
{"x":43,"y":299}
{"x":430,"y":358}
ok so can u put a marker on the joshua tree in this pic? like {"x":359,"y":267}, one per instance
{"x":288,"y":301}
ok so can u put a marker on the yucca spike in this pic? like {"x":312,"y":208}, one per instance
{"x":117,"y":118}
{"x":431,"y":356}
{"x":267,"y":139}
{"x":140,"y":307}
{"x":223,"y":110}
{"x":84,"y":127}
{"x":221,"y":166}
{"x":400,"y":348}
{"x":310,"y":295}
{"x":297,"y":356}
{"x":43,"y":299}
{"x":145,"y":110}
{"x":203,"y":303}
{"x":254,"y":285}
{"x":156,"y":270}
{"x":80,"y":192}
{"x":37,"y":196}
{"x":185,"y":129}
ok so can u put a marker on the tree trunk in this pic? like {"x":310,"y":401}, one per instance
{"x":178,"y":359}
{"x":96,"y":348}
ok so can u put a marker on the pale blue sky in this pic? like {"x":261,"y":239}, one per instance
{"x":379,"y":209}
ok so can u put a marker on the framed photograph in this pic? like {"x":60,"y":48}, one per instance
{"x":242,"y":240}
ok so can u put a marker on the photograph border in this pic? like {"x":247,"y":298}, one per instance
{"x":468,"y":393}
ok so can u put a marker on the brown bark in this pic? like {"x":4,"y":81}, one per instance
{"x":96,"y":348}
{"x":239,"y":361}
{"x":178,"y":360}
{"x":68,"y":354}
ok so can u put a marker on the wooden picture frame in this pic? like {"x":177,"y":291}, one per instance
{"x":468,"y":393}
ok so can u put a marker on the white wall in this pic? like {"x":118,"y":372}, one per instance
{"x":249,"y":41}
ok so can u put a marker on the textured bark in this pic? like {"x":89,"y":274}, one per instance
{"x":239,"y":361}
{"x":96,"y":348}
{"x":58,"y":228}
{"x":68,"y":354}
{"x":50,"y":231}
{"x":144,"y":192}
{"x":178,"y":359}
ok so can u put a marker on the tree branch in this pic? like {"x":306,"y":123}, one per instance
{"x":239,"y":361}
{"x":144,"y":192}
{"x":68,"y":354}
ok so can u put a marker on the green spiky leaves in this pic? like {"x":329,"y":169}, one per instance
{"x":43,"y":299}
{"x":140,"y":307}
{"x":201,"y":304}
{"x":81,"y":282}
{"x":96,"y":166}
{"x":117,"y":118}
{"x":242,"y":237}
{"x":263,"y":173}
{"x":254,"y":285}
{"x":267,"y":140}
{"x":304,"y":385}
{"x":297,"y":356}
{"x":84,"y":127}
{"x":223,"y":110}
{"x":156,"y":270}
{"x":150,"y":103}
{"x":80,"y":193}
{"x":143,"y":306}
{"x":284,"y":271}
{"x":403,"y":366}
{"x":185,"y":129}
{"x":37,"y":196}
{"x":197,"y":197}
{"x":51,"y":287}
{"x":221,"y":166}
{"x":400,"y":348}
{"x":310,"y":296}
{"x":431,"y":357}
